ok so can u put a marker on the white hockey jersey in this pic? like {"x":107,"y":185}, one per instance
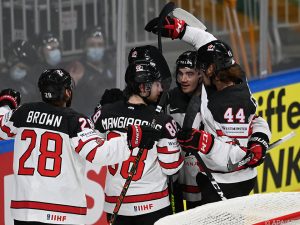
{"x":230,"y":116}
{"x":148,"y":191}
{"x":177,"y":105}
{"x":51,"y":148}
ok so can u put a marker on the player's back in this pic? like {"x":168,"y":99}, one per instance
{"x":148,"y":190}
{"x":232,"y":109}
{"x":48,"y":171}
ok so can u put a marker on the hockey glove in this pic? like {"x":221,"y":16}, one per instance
{"x":142,"y":136}
{"x":171,"y":27}
{"x":10,"y":97}
{"x":195,"y":140}
{"x":257,"y":146}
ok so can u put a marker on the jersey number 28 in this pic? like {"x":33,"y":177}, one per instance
{"x":47,"y":155}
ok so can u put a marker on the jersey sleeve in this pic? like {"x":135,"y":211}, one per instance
{"x":7,"y":128}
{"x":260,"y":125}
{"x":91,"y":146}
{"x":197,"y":37}
{"x":221,"y":152}
{"x":168,"y":149}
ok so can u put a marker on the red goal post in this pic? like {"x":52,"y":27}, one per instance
{"x":259,"y":209}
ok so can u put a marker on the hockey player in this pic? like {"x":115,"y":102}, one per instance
{"x":227,"y":110}
{"x":147,"y":198}
{"x":188,"y":80}
{"x":52,"y":144}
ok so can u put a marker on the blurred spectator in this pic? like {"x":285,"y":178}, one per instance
{"x":91,"y":73}
{"x":20,"y":59}
{"x":49,"y":52}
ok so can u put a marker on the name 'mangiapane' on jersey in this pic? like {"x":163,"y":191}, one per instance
{"x":148,"y":191}
{"x":51,"y":147}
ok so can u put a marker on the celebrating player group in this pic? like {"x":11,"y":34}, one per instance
{"x":161,"y":147}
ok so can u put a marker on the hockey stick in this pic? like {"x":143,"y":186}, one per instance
{"x":235,"y":166}
{"x":167,"y":82}
{"x":191,"y":111}
{"x":189,"y":18}
{"x":126,"y":186}
{"x":168,"y":8}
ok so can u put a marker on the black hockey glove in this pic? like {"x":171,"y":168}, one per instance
{"x":10,"y":97}
{"x":172,"y":27}
{"x":142,"y":136}
{"x":194,"y":140}
{"x":257,"y":146}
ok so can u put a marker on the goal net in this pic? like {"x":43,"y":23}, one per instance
{"x":259,"y":209}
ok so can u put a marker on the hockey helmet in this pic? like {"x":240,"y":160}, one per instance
{"x":53,"y":83}
{"x":150,"y":53}
{"x":142,"y":71}
{"x":21,"y":51}
{"x":215,"y":52}
{"x":10,"y":97}
{"x":187,"y":59}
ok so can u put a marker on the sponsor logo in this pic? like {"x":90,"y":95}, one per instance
{"x":146,"y":207}
{"x":137,"y":137}
{"x":204,"y":142}
{"x":87,"y":133}
{"x":54,"y":217}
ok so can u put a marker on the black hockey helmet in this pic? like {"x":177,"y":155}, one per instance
{"x":150,"y":53}
{"x":187,"y":59}
{"x":142,"y":71}
{"x":21,"y":51}
{"x":53,"y":83}
{"x":10,"y":97}
{"x":215,"y":52}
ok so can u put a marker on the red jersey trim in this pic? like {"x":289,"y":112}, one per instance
{"x":48,"y":207}
{"x":165,"y":150}
{"x":138,"y":198}
{"x":90,"y":157}
{"x":172,"y":165}
{"x":7,"y":130}
{"x":82,"y":143}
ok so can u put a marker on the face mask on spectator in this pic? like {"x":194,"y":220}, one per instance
{"x":95,"y":54}
{"x":53,"y":57}
{"x":17,"y":73}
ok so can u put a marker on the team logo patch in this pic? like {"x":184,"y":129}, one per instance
{"x":210,"y":48}
{"x":100,"y":141}
{"x":134,"y":54}
{"x":139,"y":68}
